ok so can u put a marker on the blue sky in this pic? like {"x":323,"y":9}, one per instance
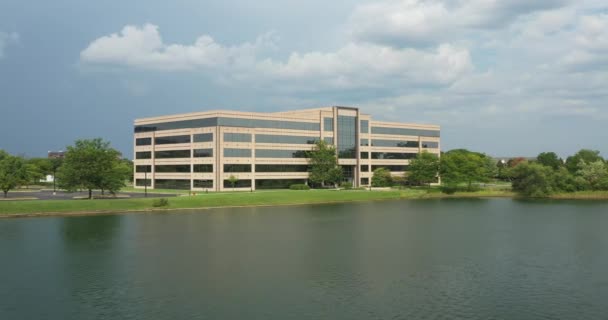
{"x":507,"y":78}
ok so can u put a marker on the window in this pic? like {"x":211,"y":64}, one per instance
{"x":329,"y":140}
{"x":328,"y":124}
{"x":172,"y":140}
{"x":261,"y":153}
{"x":237,"y":137}
{"x":277,"y":183}
{"x":430,"y":144}
{"x":364,"y":142}
{"x":143,"y":168}
{"x":281,"y":168}
{"x":172,"y":154}
{"x":202,"y":153}
{"x":143,"y":141}
{"x":406,"y":132}
{"x":184,"y":124}
{"x":172,"y":184}
{"x":364,"y":155}
{"x":237,"y":168}
{"x":143,"y":155}
{"x":143,"y":182}
{"x":277,"y":139}
{"x":203,"y":184}
{"x":364,"y":181}
{"x":202,"y":137}
{"x":364,"y":168}
{"x":237,"y":153}
{"x":394,"y":143}
{"x":393,"y":155}
{"x":364,"y":126}
{"x":347,"y":137}
{"x":271,"y":124}
{"x":238,"y":184}
{"x":202,"y":168}
{"x":182,"y":168}
{"x":391,"y":168}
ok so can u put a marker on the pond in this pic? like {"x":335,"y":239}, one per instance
{"x":415,"y":259}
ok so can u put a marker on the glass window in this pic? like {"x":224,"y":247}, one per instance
{"x":364,"y":181}
{"x":202,"y":153}
{"x":393,"y":155}
{"x":143,"y":141}
{"x":328,"y":124}
{"x":271,"y":124}
{"x":406,"y":132}
{"x":143,"y":182}
{"x":329,"y":140}
{"x":172,"y":154}
{"x":347,"y":137}
{"x":143,"y":168}
{"x":364,"y":142}
{"x":172,"y":184}
{"x":237,"y":153}
{"x":238,"y":184}
{"x":172,"y":140}
{"x":430,"y":144}
{"x":364,"y":168}
{"x":237,"y":168}
{"x":262,"y":153}
{"x":281,"y":168}
{"x":202,"y":168}
{"x":391,"y":168}
{"x":364,"y":126}
{"x":394,"y":143}
{"x":277,"y":183}
{"x":143,"y":155}
{"x":277,"y":139}
{"x":202,"y":137}
{"x":364,"y":155}
{"x":237,"y":137}
{"x":203,"y":184}
{"x":184,"y":124}
{"x":182,"y":168}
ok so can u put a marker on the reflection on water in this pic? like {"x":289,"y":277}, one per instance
{"x":435,"y":259}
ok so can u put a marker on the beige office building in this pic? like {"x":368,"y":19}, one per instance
{"x":200,"y":151}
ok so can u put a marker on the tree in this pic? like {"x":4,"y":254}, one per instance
{"x":463,"y":166}
{"x":91,"y":164}
{"x":589,"y":156}
{"x":549,"y":159}
{"x":13,"y":172}
{"x":594,"y":173}
{"x":233,"y":180}
{"x":37,"y":168}
{"x":533,"y":180}
{"x":424,"y":168}
{"x":323,"y":163}
{"x":382,"y":178}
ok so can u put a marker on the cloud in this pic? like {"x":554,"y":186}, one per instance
{"x":7,"y":39}
{"x":351,"y":66}
{"x":425,"y":22}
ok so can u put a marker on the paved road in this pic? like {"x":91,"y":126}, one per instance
{"x":62,"y":195}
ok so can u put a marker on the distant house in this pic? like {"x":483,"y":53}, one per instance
{"x":56,"y":154}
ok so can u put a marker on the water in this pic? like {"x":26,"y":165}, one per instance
{"x":428,"y":259}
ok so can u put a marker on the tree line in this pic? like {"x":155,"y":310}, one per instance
{"x":87,"y":165}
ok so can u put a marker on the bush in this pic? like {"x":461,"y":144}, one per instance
{"x":346,"y":185}
{"x":299,"y":187}
{"x":160,"y":202}
{"x":448,"y":189}
{"x":382,"y":178}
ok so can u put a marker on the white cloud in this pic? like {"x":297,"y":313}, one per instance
{"x":6,"y":39}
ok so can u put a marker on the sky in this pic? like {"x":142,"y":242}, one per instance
{"x":507,"y":78}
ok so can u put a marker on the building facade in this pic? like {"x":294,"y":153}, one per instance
{"x":201,"y":151}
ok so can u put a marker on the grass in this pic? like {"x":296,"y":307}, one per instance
{"x":227,"y":199}
{"x":583,"y":195}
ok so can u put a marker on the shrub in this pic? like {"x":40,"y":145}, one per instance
{"x":448,"y":189}
{"x":346,"y":185}
{"x":382,"y":178}
{"x":299,"y":187}
{"x":160,"y":202}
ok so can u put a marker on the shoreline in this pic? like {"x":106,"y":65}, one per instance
{"x":256,"y":200}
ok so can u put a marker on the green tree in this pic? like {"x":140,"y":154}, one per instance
{"x":533,"y":180}
{"x":564,"y":181}
{"x":37,"y":169}
{"x":233,"y":180}
{"x":549,"y":159}
{"x":323,"y":163}
{"x":13,"y":172}
{"x":423,"y":170}
{"x":586,"y":155}
{"x":463,"y":166}
{"x":382,"y":178}
{"x":594,"y":173}
{"x":91,"y":164}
